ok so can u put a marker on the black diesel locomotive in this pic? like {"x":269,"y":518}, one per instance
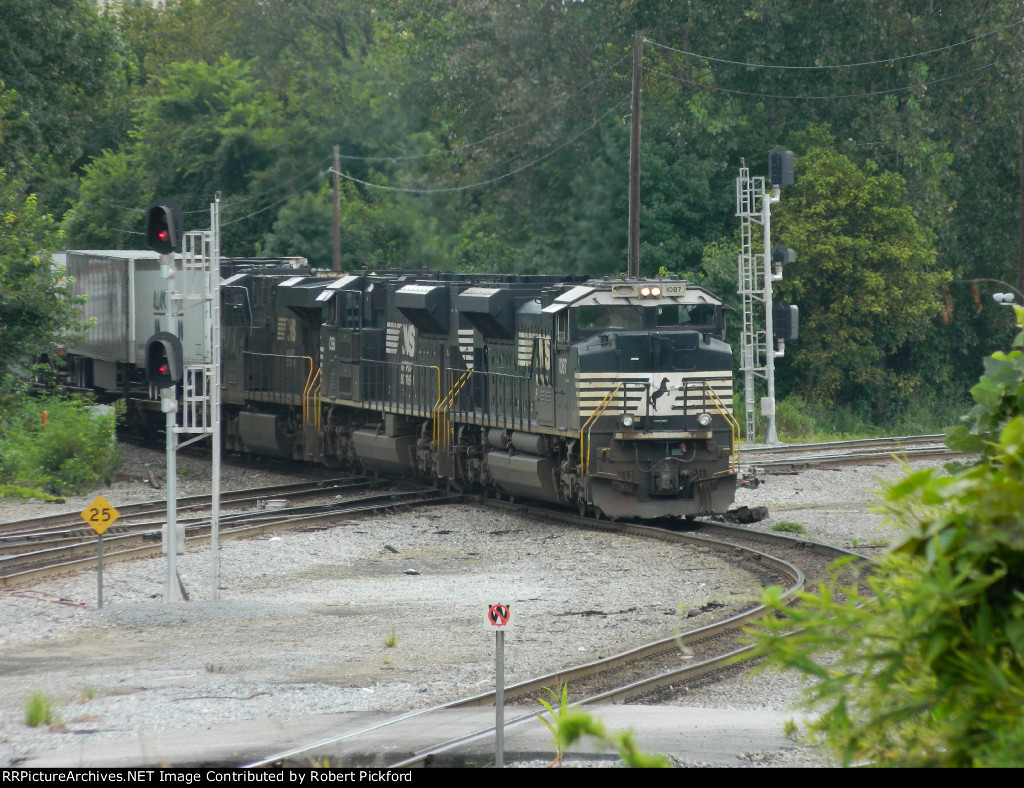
{"x":611,"y":396}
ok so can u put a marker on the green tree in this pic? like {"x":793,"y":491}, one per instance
{"x":927,"y":668}
{"x":67,"y":69}
{"x":866,"y":282}
{"x":37,"y":309}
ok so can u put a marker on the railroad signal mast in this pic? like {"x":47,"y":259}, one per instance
{"x":757,"y":270}
{"x":192,"y":297}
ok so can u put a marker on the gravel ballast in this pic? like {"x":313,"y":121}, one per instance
{"x":382,"y":614}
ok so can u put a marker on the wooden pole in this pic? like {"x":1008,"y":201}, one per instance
{"x":336,"y":261}
{"x":634,"y":159}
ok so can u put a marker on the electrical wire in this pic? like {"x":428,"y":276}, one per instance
{"x":483,"y":140}
{"x":840,"y":65}
{"x":510,"y":173}
{"x":820,"y":98}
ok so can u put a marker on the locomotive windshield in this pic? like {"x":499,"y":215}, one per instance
{"x":687,"y":316}
{"x":629,"y":317}
{"x":618,"y":318}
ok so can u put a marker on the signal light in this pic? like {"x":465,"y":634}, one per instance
{"x":163,"y":226}
{"x":781,"y":165}
{"x":782,"y":254}
{"x":163,"y":360}
{"x":785,"y":321}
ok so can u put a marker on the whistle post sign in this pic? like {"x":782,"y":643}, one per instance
{"x":499,"y":616}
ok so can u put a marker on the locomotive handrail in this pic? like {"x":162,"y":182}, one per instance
{"x":588,"y":425}
{"x":734,"y":427}
{"x":312,"y":392}
{"x":373,"y":393}
{"x":310,"y":378}
{"x":442,"y":434}
{"x":295,"y":393}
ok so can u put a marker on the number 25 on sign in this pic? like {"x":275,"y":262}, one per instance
{"x":100,"y":515}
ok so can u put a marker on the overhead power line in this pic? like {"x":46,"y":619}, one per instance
{"x":478,"y":184}
{"x":484,"y":140}
{"x":865,"y":94}
{"x":892,"y":59}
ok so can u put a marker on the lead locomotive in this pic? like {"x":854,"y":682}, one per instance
{"x":611,"y":396}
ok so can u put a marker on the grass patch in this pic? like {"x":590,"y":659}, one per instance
{"x":391,"y":639}
{"x":39,"y":710}
{"x":787,"y":527}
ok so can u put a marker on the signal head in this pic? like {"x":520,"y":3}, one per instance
{"x":163,"y":226}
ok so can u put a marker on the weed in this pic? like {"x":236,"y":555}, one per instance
{"x":789,"y":528}
{"x":39,"y":710}
{"x":183,"y":470}
{"x":569,"y":724}
{"x":854,"y":541}
{"x":391,"y":640}
{"x":790,"y":730}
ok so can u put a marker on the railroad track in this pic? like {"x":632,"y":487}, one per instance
{"x":638,"y":675}
{"x":792,"y":458}
{"x":32,"y":549}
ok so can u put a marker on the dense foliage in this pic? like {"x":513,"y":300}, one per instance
{"x":53,"y":446}
{"x":483,"y":135}
{"x":37,"y":309}
{"x":926,"y":668}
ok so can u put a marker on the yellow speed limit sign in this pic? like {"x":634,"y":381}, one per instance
{"x":100,"y":515}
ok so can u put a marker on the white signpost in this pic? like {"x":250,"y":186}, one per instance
{"x":499,"y":618}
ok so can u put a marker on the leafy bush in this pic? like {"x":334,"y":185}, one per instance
{"x":72,"y":452}
{"x":922,"y":664}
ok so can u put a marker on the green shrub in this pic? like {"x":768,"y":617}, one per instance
{"x":788,"y":528}
{"x":922,"y":663}
{"x":73,"y":452}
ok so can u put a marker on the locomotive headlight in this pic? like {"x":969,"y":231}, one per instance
{"x":655,"y":291}
{"x":645,"y":291}
{"x":704,"y":419}
{"x":627,"y":421}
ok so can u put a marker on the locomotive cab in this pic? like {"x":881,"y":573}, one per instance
{"x":654,"y":393}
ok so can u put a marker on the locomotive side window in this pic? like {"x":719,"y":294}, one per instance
{"x":344,"y":309}
{"x":562,"y":326}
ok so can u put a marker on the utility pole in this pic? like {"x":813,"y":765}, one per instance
{"x":336,"y":263}
{"x":634,"y":159}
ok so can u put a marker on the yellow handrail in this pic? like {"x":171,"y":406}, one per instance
{"x":306,"y":389}
{"x":442,"y":430}
{"x":734,"y":426}
{"x":588,"y":425}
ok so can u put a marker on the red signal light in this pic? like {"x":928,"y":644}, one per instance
{"x":163,"y":235}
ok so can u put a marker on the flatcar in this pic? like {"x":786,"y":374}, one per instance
{"x":612,"y":396}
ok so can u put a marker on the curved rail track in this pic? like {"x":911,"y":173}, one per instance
{"x":32,"y":549}
{"x":640,"y":673}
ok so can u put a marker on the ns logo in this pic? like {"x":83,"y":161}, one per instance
{"x":407,"y":340}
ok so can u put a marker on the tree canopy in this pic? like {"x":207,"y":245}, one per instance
{"x":495,"y":135}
